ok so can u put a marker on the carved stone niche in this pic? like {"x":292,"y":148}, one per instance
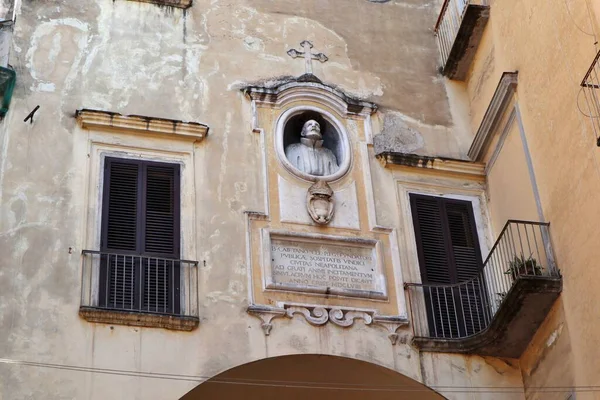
{"x":295,"y":127}
{"x":312,"y":144}
{"x":315,"y":251}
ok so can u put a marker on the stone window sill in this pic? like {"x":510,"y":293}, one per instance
{"x":132,"y":318}
{"x":169,"y":3}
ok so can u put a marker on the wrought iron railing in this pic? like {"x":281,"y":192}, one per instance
{"x":128,"y":282}
{"x":448,"y":24}
{"x":591,"y":91}
{"x":467,"y":308}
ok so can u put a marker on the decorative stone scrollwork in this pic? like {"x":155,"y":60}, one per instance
{"x":345,"y":319}
{"x":314,"y":315}
{"x":320,"y":315}
{"x":392,"y":324}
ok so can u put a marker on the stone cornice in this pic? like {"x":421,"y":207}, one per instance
{"x":306,"y":87}
{"x":445,"y":165}
{"x":500,"y":101}
{"x":105,"y":120}
{"x":169,"y":3}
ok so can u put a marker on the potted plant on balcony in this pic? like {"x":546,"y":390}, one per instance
{"x":520,"y":265}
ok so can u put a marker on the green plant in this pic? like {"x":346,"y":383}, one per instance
{"x":500,"y":299}
{"x":523,"y":266}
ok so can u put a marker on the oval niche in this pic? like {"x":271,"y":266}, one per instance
{"x":312,"y":158}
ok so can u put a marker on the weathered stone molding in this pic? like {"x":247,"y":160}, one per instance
{"x":462,"y":167}
{"x":308,"y":87}
{"x":502,"y":98}
{"x":169,"y":3}
{"x":119,"y":317}
{"x":109,"y":121}
{"x":319,"y":315}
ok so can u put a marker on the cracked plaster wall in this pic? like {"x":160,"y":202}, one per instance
{"x":138,"y":58}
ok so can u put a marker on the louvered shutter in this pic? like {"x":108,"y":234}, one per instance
{"x":449,"y":254}
{"x":140,"y":234}
{"x":467,"y":262}
{"x":121,"y":199}
{"x":161,"y":217}
{"x":120,"y":228}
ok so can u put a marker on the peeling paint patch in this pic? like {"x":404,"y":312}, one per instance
{"x":46,"y":87}
{"x":253,"y":43}
{"x":554,"y":335}
{"x":397,"y":136}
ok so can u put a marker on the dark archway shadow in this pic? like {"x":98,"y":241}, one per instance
{"x":313,"y":377}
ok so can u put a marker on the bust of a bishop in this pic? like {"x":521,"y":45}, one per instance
{"x":309,"y":156}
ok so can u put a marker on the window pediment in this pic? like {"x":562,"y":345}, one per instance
{"x":170,"y":3}
{"x":308,"y":87}
{"x":109,"y":121}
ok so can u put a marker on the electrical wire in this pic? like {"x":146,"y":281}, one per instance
{"x":575,"y":23}
{"x":304,"y":384}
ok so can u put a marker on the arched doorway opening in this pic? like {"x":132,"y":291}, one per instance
{"x":314,"y":377}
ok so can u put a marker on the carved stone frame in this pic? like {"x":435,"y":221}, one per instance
{"x":374,"y":245}
{"x":342,"y":136}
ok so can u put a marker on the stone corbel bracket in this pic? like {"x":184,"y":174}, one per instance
{"x":110,"y":121}
{"x":266,"y":314}
{"x":320,"y":315}
{"x":441,"y":165}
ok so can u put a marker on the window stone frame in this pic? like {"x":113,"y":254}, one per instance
{"x":106,"y":134}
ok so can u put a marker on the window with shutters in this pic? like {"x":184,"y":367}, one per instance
{"x":139,"y":266}
{"x":449,"y":254}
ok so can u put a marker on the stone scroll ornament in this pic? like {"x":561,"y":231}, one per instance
{"x":320,"y":203}
{"x":321,"y":315}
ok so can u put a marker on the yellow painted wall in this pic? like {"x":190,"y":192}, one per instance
{"x":544,"y":42}
{"x":509,"y":190}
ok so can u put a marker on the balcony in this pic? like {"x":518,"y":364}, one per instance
{"x":591,"y":92}
{"x":497,"y":312}
{"x":129,"y":289}
{"x":459,"y":30}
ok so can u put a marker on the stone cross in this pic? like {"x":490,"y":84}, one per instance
{"x":308,"y":55}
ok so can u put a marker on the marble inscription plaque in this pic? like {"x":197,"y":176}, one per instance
{"x":326,"y":267}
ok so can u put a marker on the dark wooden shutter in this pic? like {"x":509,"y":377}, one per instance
{"x":449,"y":254}
{"x":140,"y":233}
{"x":121,"y":206}
{"x":432,"y":247}
{"x":161,"y":219}
{"x":161,"y":237}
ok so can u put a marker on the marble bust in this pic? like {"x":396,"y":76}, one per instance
{"x":309,"y":156}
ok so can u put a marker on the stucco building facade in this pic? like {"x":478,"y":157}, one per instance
{"x":158,"y":241}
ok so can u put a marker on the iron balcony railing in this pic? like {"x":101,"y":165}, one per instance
{"x":467,"y":308}
{"x":448,"y":24}
{"x":591,"y":91}
{"x":135,"y":283}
